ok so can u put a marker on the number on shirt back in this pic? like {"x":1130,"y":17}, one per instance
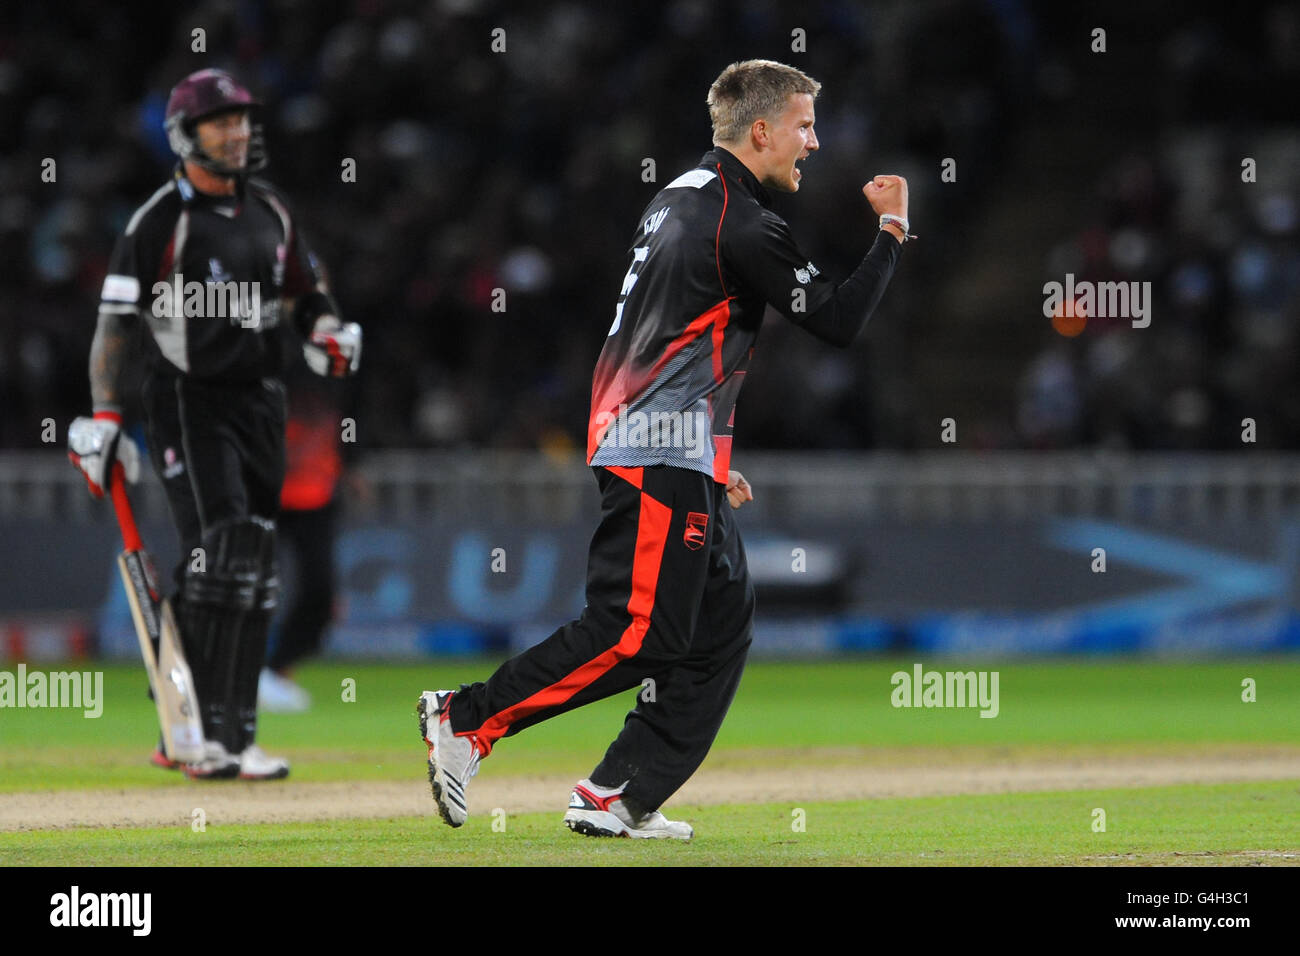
{"x":639,"y":255}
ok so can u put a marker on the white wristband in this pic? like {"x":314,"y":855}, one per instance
{"x":898,"y":221}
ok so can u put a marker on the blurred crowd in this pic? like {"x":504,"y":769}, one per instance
{"x":525,"y":168}
{"x":1207,"y":210}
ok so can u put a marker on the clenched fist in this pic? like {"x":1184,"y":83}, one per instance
{"x":887,"y":195}
{"x":738,"y":490}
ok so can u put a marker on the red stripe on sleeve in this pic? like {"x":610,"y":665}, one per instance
{"x":721,"y":457}
{"x":719,"y":333}
{"x":717,"y":240}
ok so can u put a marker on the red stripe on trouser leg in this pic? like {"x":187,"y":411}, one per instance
{"x":651,"y":536}
{"x":633,"y":476}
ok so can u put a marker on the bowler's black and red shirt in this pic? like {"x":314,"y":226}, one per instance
{"x":206,"y":274}
{"x":707,"y":258}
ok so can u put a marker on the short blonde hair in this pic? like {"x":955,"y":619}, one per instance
{"x":751,"y":89}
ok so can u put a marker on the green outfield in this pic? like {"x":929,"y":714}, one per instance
{"x":1228,"y":824}
{"x":1183,"y":769}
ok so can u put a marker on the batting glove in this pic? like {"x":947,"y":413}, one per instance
{"x":95,"y":443}
{"x":333,"y":349}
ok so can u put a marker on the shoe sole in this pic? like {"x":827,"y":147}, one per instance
{"x":225,"y":773}
{"x":597,"y":823}
{"x":589,"y":829}
{"x":435,"y":784}
{"x":279,"y":774}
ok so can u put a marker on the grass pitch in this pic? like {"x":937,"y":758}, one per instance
{"x":1232,"y":824}
{"x":786,"y":714}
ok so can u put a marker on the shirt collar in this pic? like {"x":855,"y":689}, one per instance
{"x":737,"y":171}
{"x":191,"y":196}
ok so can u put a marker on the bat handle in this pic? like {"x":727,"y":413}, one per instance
{"x":122,"y":505}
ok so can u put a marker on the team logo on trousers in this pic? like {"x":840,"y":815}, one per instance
{"x":695,"y":525}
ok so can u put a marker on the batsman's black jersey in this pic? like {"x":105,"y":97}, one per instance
{"x":206,"y":274}
{"x":707,"y":258}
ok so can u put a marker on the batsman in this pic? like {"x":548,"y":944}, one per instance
{"x":207,"y":276}
{"x":669,"y":602}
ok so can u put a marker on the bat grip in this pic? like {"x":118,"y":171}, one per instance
{"x":122,"y":505}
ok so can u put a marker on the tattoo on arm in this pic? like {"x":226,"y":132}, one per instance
{"x":113,"y":337}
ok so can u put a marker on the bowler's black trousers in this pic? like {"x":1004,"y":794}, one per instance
{"x":669,"y":611}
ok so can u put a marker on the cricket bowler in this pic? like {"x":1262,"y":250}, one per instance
{"x":669,"y":600}
{"x":208,"y":266}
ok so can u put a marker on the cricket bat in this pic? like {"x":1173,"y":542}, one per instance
{"x":160,"y":645}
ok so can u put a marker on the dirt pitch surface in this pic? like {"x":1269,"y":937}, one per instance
{"x":803,"y":777}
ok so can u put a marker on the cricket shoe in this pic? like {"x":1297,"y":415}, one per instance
{"x":217,"y":764}
{"x":601,"y":812}
{"x":254,"y":764}
{"x":160,"y":759}
{"x":452,"y":760}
